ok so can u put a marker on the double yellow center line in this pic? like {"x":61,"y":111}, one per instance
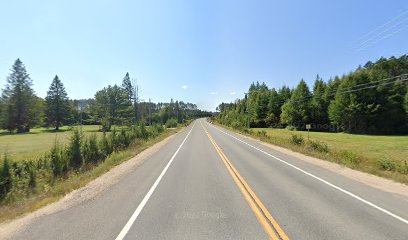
{"x":271,"y":227}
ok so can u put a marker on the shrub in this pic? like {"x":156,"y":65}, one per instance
{"x":171,"y":123}
{"x":74,"y":150}
{"x":143,"y":131}
{"x":318,"y":146}
{"x":105,"y":146}
{"x":32,"y":182}
{"x":403,"y":168}
{"x":106,"y":125}
{"x":387,"y":165}
{"x":6,"y":181}
{"x":297,"y":139}
{"x":58,"y":163}
{"x":90,"y":150}
{"x":349,"y":157}
{"x":291,"y":128}
{"x":159,"y":128}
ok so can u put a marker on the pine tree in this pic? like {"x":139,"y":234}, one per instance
{"x":261,"y":107}
{"x":17,"y":99}
{"x":274,"y":107}
{"x":296,"y":111}
{"x":57,"y":105}
{"x":127,"y":85}
{"x":319,"y":106}
{"x":74,"y":150}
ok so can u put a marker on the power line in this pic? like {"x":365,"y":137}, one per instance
{"x":373,"y":37}
{"x":402,"y":78}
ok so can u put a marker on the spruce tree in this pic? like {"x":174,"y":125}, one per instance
{"x":296,"y":111}
{"x":57,"y":105}
{"x":319,"y":106}
{"x":127,"y":85}
{"x":17,"y":99}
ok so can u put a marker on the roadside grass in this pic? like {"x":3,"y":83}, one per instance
{"x":384,"y":156}
{"x":51,"y":193}
{"x":33,"y":144}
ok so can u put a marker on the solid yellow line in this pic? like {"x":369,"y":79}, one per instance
{"x":250,"y":196}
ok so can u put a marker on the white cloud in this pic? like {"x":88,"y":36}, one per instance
{"x":184,"y":87}
{"x":213,"y":93}
{"x":233,"y":93}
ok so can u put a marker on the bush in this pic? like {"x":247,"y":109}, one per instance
{"x":403,"y":168}
{"x":32,"y":182}
{"x":6,"y":182}
{"x":387,"y":165}
{"x":143,"y":131}
{"x":90,"y":150}
{"x":74,"y":150}
{"x":171,"y":123}
{"x":349,"y":157}
{"x":159,"y":128}
{"x":58,"y":163}
{"x":261,"y":133}
{"x":318,"y":146}
{"x":297,"y":139}
{"x":291,"y":128}
{"x":105,"y":146}
{"x":106,"y":125}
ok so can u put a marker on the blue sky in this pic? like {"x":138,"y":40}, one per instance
{"x":203,"y":52}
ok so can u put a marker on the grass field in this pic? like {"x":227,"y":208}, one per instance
{"x":393,"y":148}
{"x":37,"y":141}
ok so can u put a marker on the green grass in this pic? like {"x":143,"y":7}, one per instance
{"x":393,"y":148}
{"x":38,"y":141}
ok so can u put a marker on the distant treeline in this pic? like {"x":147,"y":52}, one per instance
{"x":373,"y":99}
{"x":21,"y":109}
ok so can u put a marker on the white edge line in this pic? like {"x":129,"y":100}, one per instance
{"x":320,"y":179}
{"x":139,"y":208}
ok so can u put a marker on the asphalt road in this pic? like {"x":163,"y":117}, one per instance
{"x":209,"y":183}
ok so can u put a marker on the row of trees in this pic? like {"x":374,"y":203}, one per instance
{"x":372,"y":99}
{"x":21,"y":109}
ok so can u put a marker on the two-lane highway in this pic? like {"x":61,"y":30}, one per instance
{"x":210,"y":183}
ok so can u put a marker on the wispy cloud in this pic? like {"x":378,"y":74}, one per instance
{"x":184,"y":87}
{"x":213,"y":93}
{"x":233,"y":93}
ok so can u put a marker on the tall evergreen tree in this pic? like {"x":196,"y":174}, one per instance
{"x":261,"y":107}
{"x":112,"y":106}
{"x":127,"y":85}
{"x":274,"y":107}
{"x":319,"y":106}
{"x":296,"y":111}
{"x":57,"y":105}
{"x":17,"y":98}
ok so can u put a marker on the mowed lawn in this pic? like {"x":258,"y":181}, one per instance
{"x":394,"y":148}
{"x":38,"y":141}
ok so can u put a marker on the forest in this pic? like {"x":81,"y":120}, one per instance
{"x":21,"y":109}
{"x":372,"y":99}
